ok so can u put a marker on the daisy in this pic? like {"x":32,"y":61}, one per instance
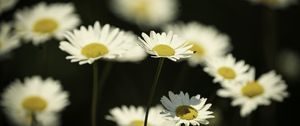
{"x":134,"y":116}
{"x":250,"y":93}
{"x":166,"y":46}
{"x":135,"y":53}
{"x":8,"y":40}
{"x":45,"y":21}
{"x":226,"y":69}
{"x":87,"y":45}
{"x":6,"y":5}
{"x":146,"y":12}
{"x":185,"y":110}
{"x":44,"y":98}
{"x":207,"y":41}
{"x":275,"y":3}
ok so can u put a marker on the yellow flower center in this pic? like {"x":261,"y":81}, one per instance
{"x":164,"y":50}
{"x":186,"y":112}
{"x":45,"y":26}
{"x":141,"y":8}
{"x":138,"y":123}
{"x":34,"y":104}
{"x":227,"y":73}
{"x":252,"y":89}
{"x":94,"y":50}
{"x":197,"y":48}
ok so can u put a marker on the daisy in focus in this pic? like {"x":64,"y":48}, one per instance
{"x":166,"y":45}
{"x":88,"y":44}
{"x":134,"y":116}
{"x":250,"y":93}
{"x":185,"y":110}
{"x":275,"y":3}
{"x":44,"y":98}
{"x":207,"y":41}
{"x":45,"y":21}
{"x":150,"y":13}
{"x":225,"y":69}
{"x":6,"y":5}
{"x":135,"y":53}
{"x":8,"y":39}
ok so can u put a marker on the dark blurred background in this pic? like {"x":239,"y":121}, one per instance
{"x":258,"y":35}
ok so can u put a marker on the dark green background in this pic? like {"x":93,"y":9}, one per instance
{"x":254,"y":38}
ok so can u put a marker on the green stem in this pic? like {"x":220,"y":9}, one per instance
{"x":34,"y":121}
{"x":249,"y":120}
{"x":270,"y":36}
{"x":105,"y":73}
{"x":45,"y":49}
{"x":95,"y":94}
{"x":153,"y":89}
{"x":97,"y":87}
{"x":43,"y":65}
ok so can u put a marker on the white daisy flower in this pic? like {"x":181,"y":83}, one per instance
{"x":225,"y":69}
{"x":275,"y":3}
{"x":44,"y":21}
{"x":146,"y":12}
{"x":185,"y":110}
{"x":6,"y":5}
{"x":8,"y":39}
{"x":87,"y":45}
{"x":44,"y":98}
{"x":135,"y":53}
{"x":166,"y":46}
{"x":134,"y":116}
{"x":251,"y":93}
{"x":207,"y":41}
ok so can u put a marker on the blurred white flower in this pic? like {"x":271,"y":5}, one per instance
{"x":185,"y":110}
{"x":44,"y":98}
{"x":86,"y":45}
{"x":135,"y":53}
{"x":134,"y":116}
{"x":207,"y":41}
{"x":45,"y":21}
{"x":225,"y":69}
{"x":250,"y":93}
{"x":288,"y":63}
{"x":8,"y":39}
{"x":166,"y":46}
{"x":6,"y":5}
{"x":150,"y":13}
{"x":275,"y":3}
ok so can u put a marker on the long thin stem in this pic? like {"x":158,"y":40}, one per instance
{"x":153,"y":89}
{"x":249,"y":120}
{"x":104,"y":75}
{"x":45,"y":53}
{"x":34,"y":121}
{"x":43,"y":66}
{"x":94,"y":95}
{"x":270,"y":36}
{"x":97,"y":87}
